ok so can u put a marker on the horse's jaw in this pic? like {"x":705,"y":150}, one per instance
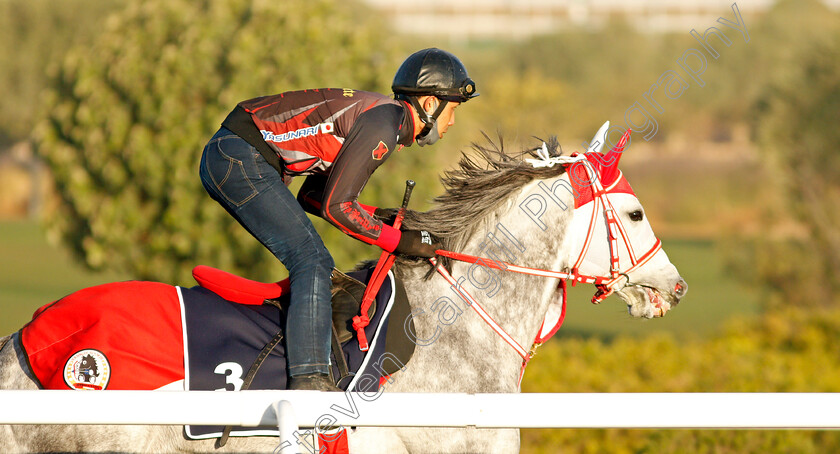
{"x":654,"y":292}
{"x":644,"y":302}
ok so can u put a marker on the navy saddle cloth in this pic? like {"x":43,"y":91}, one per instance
{"x":223,"y":338}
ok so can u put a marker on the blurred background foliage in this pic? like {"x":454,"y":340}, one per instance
{"x":741,"y":180}
{"x":130,"y":113}
{"x":36,"y":35}
{"x":788,"y":350}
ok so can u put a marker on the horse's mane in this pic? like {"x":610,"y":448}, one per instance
{"x":479,"y":186}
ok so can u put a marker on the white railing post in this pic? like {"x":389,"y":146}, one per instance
{"x":288,"y":427}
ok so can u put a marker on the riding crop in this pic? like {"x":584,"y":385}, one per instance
{"x":386,"y":260}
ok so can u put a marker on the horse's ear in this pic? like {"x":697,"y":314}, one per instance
{"x":599,"y":139}
{"x":609,"y":167}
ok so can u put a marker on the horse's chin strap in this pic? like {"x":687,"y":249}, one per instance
{"x":605,"y":285}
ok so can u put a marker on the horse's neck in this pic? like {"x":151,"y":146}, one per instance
{"x":453,"y":341}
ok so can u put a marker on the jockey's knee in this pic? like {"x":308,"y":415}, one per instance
{"x":324,"y":259}
{"x":311,"y":259}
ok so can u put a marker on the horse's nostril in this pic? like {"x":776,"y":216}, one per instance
{"x":680,"y":288}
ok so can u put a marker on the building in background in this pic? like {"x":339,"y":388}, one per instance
{"x":521,"y":19}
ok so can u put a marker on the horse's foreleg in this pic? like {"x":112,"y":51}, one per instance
{"x":428,"y":440}
{"x":375,"y":440}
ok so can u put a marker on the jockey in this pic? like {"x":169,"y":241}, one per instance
{"x":336,"y":138}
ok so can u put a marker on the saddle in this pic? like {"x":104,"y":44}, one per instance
{"x":346,"y":300}
{"x":346,"y":294}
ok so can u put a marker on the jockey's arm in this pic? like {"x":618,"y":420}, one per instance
{"x":371,"y":140}
{"x":312,"y":193}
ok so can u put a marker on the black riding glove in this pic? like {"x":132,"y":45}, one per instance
{"x":386,"y":215}
{"x":417,"y":243}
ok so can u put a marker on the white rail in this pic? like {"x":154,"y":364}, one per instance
{"x":257,"y":408}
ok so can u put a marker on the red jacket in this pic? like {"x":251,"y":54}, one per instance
{"x":337,"y":137}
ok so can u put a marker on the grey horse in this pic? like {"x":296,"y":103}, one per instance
{"x":496,"y":205}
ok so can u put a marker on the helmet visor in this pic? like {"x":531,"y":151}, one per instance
{"x":460,"y":94}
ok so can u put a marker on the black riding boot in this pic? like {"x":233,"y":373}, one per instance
{"x":313,"y":382}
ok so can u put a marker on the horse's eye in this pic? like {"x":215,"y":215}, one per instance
{"x":636,"y":215}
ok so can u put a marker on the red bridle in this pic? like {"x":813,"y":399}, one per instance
{"x":605,"y":285}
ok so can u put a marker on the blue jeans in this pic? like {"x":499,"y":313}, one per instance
{"x":237,"y":176}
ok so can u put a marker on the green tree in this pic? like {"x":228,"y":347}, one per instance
{"x":33,"y":35}
{"x":128,"y":118}
{"x":795,"y":123}
{"x":585,"y":77}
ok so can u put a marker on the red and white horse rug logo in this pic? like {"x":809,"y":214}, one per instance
{"x":125,"y":335}
{"x":87,"y":369}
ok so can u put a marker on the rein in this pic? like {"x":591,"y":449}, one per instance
{"x":526,"y":355}
{"x":605,"y":285}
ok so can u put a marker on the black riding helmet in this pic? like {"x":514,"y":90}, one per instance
{"x":432,"y":72}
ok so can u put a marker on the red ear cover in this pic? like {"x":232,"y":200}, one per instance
{"x":606,"y":168}
{"x":609,"y":162}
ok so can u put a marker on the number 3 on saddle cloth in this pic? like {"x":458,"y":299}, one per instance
{"x":145,"y":335}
